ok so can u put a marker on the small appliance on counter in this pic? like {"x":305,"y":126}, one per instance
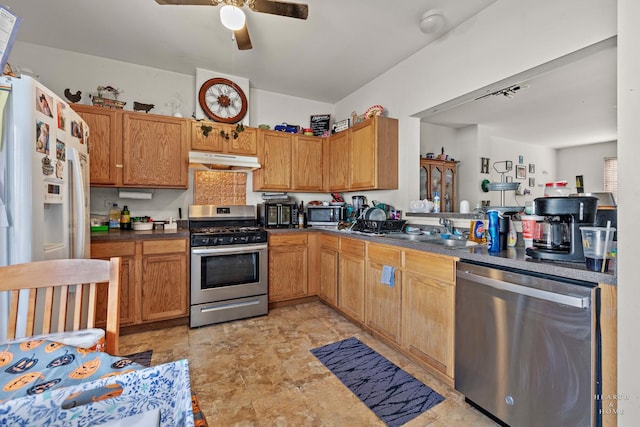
{"x":561,"y":236}
{"x":325,"y":216}
{"x":278,"y":215}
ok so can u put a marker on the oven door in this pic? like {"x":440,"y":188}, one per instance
{"x":228,"y":283}
{"x":226,"y":272}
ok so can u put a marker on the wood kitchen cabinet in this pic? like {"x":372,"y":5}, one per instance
{"x":245,"y":144}
{"x":105,"y":149}
{"x":137,"y":150}
{"x":126,"y":250}
{"x":155,"y":279}
{"x":428,"y":307}
{"x":328,"y":287}
{"x":275,"y":155}
{"x":306,"y":173}
{"x":288,"y":266}
{"x":155,"y":151}
{"x":337,"y":162}
{"x":440,"y":176}
{"x":290,"y":162}
{"x":164,"y":283}
{"x":384,"y":301}
{"x":351,"y":274}
{"x":373,"y":153}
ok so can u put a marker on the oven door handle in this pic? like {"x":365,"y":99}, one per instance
{"x":215,"y":250}
{"x":230,"y":306}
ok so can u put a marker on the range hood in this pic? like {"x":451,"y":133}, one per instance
{"x":216,"y":161}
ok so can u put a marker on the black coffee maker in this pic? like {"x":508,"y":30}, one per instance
{"x":561,"y":237}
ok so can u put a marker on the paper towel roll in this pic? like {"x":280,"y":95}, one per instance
{"x":464,"y":206}
{"x":123,"y":194}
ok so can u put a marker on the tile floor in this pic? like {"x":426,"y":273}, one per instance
{"x":260,"y":372}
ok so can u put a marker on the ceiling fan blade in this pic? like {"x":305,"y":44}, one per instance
{"x":186,"y":2}
{"x":242,"y":38}
{"x":292,"y":10}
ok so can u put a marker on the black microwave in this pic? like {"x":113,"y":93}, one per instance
{"x":278,"y":215}
{"x":324,"y":215}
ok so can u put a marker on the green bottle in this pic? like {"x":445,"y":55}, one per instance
{"x":125,"y":219}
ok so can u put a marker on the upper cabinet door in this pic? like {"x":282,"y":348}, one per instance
{"x":223,"y":138}
{"x":245,"y":144}
{"x":307,"y":163}
{"x":363,"y":151}
{"x":156,"y":149}
{"x":337,"y":161}
{"x":275,"y":155}
{"x":105,"y":163}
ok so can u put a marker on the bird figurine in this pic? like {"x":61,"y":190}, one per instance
{"x":138,"y":106}
{"x":73,"y":97}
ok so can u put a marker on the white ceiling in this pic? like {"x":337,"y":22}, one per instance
{"x":339,"y":48}
{"x":564,"y":105}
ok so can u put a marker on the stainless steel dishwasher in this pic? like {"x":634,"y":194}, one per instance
{"x":527,"y":347}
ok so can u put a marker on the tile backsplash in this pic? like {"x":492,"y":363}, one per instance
{"x":219,"y":188}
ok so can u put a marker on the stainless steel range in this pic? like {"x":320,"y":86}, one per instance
{"x":228,"y":264}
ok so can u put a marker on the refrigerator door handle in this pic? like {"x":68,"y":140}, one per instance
{"x":78,"y":203}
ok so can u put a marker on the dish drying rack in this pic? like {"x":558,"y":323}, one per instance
{"x":503,"y":186}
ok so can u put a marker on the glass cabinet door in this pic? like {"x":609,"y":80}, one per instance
{"x":448,"y":191}
{"x":436,"y":181}
{"x":424,"y":180}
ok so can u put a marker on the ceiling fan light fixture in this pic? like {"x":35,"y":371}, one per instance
{"x":432,"y":22}
{"x":232,"y":17}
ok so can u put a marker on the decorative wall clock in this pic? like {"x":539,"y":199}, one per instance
{"x":222,"y":100}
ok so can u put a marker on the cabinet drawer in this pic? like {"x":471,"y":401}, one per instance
{"x":163,"y":246}
{"x":288,"y":239}
{"x":111,"y":249}
{"x":386,"y":255}
{"x":352,"y":247}
{"x":439,"y":267}
{"x":329,"y":242}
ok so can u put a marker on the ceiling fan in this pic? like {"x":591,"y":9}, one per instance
{"x":233,"y":18}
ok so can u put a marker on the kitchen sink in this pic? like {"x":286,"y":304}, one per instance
{"x":412,"y":237}
{"x":450,"y":242}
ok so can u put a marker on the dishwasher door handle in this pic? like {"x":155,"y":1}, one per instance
{"x":579,"y":302}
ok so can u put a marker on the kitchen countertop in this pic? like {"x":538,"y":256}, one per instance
{"x":511,"y":258}
{"x":115,"y":234}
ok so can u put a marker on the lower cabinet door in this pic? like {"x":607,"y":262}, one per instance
{"x":164,"y":286}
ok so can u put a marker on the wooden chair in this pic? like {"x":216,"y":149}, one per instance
{"x":60,"y":295}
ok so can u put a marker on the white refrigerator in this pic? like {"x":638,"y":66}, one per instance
{"x":44,"y":175}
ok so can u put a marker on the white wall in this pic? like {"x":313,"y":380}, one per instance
{"x":585,"y":160}
{"x":628,"y":212}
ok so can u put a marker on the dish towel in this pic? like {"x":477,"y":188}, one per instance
{"x":388,"y":276}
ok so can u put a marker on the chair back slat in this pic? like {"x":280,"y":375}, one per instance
{"x":47,"y":311}
{"x":91,"y":305}
{"x":77,"y":307}
{"x":60,"y":295}
{"x":31,"y":313}
{"x":62,"y":313}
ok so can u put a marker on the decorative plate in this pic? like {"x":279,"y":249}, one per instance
{"x":374,"y":110}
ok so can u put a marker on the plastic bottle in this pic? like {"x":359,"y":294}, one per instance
{"x":493,"y":236}
{"x":436,"y":202}
{"x":114,"y":216}
{"x":125,"y":219}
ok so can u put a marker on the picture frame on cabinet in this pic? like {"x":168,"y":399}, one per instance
{"x":532,"y":168}
{"x":532,"y":182}
{"x":521,"y":172}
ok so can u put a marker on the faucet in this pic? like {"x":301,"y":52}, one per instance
{"x":448,"y":225}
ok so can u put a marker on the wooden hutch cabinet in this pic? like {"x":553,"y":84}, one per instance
{"x":440,"y":176}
